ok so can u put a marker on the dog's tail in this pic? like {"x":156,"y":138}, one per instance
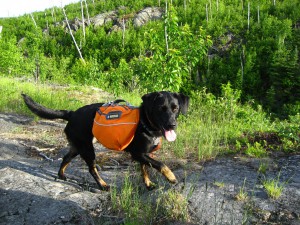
{"x":44,"y":112}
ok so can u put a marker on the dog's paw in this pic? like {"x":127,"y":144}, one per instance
{"x":61,"y":177}
{"x":151,"y":186}
{"x":95,"y":190}
{"x":173,"y":181}
{"x":105,"y":188}
{"x":169,"y":175}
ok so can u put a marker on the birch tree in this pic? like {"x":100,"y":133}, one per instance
{"x":79,"y":52}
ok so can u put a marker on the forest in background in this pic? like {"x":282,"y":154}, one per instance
{"x":253,"y":45}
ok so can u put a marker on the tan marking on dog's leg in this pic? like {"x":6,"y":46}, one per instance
{"x":103,"y":185}
{"x":61,"y":172}
{"x":168,"y":174}
{"x":66,"y":161}
{"x":146,"y":177}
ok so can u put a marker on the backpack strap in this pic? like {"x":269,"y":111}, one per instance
{"x":116,"y":102}
{"x":125,"y":105}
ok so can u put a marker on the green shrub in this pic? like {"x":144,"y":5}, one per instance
{"x":256,"y":150}
{"x":173,"y":205}
{"x":273,"y":187}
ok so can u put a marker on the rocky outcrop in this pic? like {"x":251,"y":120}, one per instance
{"x":215,"y":189}
{"x":115,"y":20}
{"x":146,"y":15}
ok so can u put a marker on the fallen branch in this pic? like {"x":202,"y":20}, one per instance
{"x":115,"y":167}
{"x":39,"y":151}
{"x":45,"y":156}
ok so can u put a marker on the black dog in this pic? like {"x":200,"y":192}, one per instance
{"x":158,"y":114}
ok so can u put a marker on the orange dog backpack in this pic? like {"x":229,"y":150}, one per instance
{"x":115,"y":124}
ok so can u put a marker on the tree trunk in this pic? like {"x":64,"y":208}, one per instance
{"x":66,"y":18}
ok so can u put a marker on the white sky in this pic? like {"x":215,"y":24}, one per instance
{"x":10,"y":8}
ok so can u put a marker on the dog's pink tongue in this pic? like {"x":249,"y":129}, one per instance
{"x":170,"y":135}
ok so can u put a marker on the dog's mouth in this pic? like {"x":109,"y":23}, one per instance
{"x":170,"y":135}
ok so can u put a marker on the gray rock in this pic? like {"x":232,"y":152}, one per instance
{"x":28,"y":199}
{"x":146,"y":15}
{"x":113,"y":19}
{"x":212,"y":204}
{"x":104,"y":18}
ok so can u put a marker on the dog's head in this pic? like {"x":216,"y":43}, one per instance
{"x":162,"y":109}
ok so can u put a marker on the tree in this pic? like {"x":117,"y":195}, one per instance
{"x":10,"y":57}
{"x":175,"y":52}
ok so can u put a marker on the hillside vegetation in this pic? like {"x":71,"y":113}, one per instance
{"x":237,"y":60}
{"x":213,"y":126}
{"x":229,"y":60}
{"x":251,"y":44}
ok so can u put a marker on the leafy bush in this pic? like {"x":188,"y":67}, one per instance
{"x":194,"y":46}
{"x":256,"y":150}
{"x":289,"y":131}
{"x":10,"y":57}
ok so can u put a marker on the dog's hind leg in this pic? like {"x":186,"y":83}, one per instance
{"x":66,"y":160}
{"x":89,"y":157}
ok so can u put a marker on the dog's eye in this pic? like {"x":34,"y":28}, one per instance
{"x":175,"y":109}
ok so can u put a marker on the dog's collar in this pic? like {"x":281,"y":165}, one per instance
{"x":150,"y":131}
{"x":148,"y":126}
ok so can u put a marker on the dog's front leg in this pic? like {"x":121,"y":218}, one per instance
{"x":91,"y":162}
{"x":101,"y":183}
{"x":168,"y":174}
{"x":145,"y":159}
{"x":149,"y":184}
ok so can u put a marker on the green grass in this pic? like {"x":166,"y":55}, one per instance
{"x":256,"y":150}
{"x":212,"y":127}
{"x":215,"y":126}
{"x":51,"y":95}
{"x":219,"y":184}
{"x":242,"y":194}
{"x":263,"y":167}
{"x":159,"y":205}
{"x":273,"y":187}
{"x":134,"y":98}
{"x":128,"y":201}
{"x":173,"y":205}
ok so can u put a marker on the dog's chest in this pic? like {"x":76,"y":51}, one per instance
{"x":156,"y":143}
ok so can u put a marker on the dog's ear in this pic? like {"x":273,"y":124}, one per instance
{"x":148,"y":99}
{"x":184,"y":102}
